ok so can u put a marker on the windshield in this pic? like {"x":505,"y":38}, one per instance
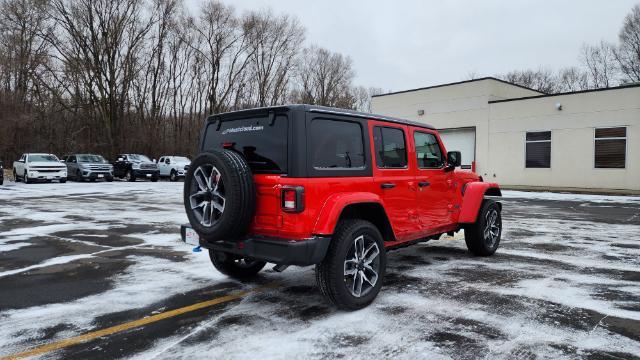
{"x":91,"y":159}
{"x":43,"y":158}
{"x":136,"y":157}
{"x":263,"y":144}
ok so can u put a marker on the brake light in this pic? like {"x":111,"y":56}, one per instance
{"x":293,"y":198}
{"x":228,"y":145}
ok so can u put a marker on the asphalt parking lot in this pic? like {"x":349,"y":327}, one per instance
{"x":98,"y":271}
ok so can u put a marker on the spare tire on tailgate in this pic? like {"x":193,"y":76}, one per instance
{"x":219,"y":195}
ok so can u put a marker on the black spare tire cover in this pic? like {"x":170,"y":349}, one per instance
{"x":219,"y":195}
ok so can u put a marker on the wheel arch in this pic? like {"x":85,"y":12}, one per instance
{"x":474,"y":195}
{"x":365,"y":206}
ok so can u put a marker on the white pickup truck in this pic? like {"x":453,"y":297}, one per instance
{"x":39,"y":167}
{"x":173,"y":167}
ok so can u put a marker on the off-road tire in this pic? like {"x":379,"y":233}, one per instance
{"x":330,"y":275}
{"x":173,"y":176}
{"x":474,"y":235}
{"x":239,"y":195}
{"x":233,"y":266}
{"x":129,"y":176}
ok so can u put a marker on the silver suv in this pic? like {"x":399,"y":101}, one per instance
{"x":81,"y":167}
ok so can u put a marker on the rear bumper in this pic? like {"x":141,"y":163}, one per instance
{"x":302,"y":252}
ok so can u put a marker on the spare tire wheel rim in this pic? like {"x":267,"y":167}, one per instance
{"x":207,"y":197}
{"x":361,"y":266}
{"x":491,"y":228}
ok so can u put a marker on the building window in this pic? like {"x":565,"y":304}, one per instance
{"x":538,"y":149}
{"x":610,"y":148}
{"x":391,"y":151}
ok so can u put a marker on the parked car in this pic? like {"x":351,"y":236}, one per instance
{"x":81,"y":167}
{"x":173,"y":167}
{"x":1,"y":174}
{"x":135,"y":166}
{"x":307,"y":185}
{"x":39,"y":167}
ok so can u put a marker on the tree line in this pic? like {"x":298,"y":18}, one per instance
{"x":601,"y":65}
{"x":111,"y":76}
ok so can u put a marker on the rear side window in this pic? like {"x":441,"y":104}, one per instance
{"x":263,"y":144}
{"x":336,"y":144}
{"x":391,"y":151}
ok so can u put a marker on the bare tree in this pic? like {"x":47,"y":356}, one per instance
{"x":600,"y":63}
{"x":324,"y":78}
{"x":572,"y":79}
{"x":274,"y":42}
{"x":542,"y":80}
{"x":101,"y":40}
{"x":628,"y":52}
{"x":362,"y":97}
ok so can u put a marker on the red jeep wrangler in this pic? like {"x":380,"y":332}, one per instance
{"x":308,"y":185}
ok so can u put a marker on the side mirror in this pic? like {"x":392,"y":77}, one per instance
{"x":454,"y":159}
{"x":154,"y":160}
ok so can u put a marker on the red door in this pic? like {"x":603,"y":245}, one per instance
{"x":434,"y":183}
{"x":394,"y":177}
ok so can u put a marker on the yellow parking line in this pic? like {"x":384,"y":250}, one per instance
{"x":129,"y":325}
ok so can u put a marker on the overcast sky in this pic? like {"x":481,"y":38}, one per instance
{"x":404,"y":44}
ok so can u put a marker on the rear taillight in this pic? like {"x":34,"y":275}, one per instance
{"x":292,"y":198}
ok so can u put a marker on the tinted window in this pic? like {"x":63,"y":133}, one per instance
{"x":428,"y":151}
{"x":336,"y":144}
{"x":43,"y":158}
{"x":538,"y":149}
{"x":610,"y":148}
{"x":390,"y":147}
{"x":264,"y":145}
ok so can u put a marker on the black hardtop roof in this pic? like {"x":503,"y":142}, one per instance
{"x":315,"y":109}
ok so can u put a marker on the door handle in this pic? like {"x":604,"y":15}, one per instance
{"x":424,"y":183}
{"x":387,"y":185}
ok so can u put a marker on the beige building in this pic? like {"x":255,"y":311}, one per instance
{"x":520,"y":137}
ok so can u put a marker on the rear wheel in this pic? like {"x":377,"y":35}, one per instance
{"x":483,"y":237}
{"x":234,"y":266}
{"x":353,"y":270}
{"x":15,"y":176}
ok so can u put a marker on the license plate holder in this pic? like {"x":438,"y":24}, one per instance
{"x":100,"y":176}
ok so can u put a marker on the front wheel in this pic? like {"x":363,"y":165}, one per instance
{"x":235,"y":267}
{"x":483,"y":237}
{"x":25,"y":178}
{"x":352,"y":272}
{"x":129,"y":176}
{"x":173,"y":176}
{"x":63,"y":180}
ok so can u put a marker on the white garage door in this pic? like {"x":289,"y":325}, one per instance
{"x":463,"y":140}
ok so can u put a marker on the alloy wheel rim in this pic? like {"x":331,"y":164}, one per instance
{"x":361,"y":266}
{"x":491,"y":227}
{"x":207,"y":199}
